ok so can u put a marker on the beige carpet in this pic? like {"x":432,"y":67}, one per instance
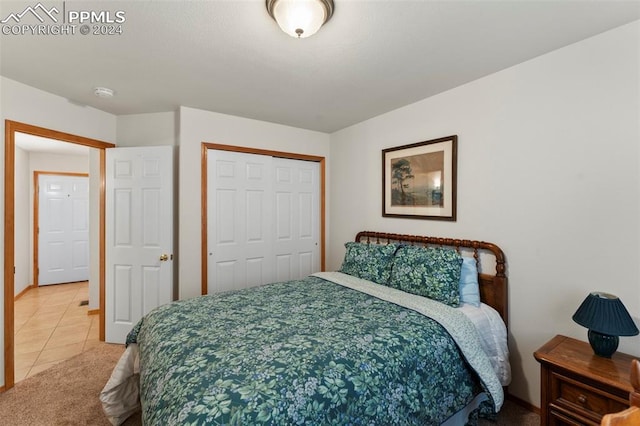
{"x":67,"y":394}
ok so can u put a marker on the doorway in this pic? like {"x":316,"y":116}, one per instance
{"x":11,"y":129}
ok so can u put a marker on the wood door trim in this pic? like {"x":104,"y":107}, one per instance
{"x":241,"y":149}
{"x":101,"y":247}
{"x":36,"y":217}
{"x":10,"y":129}
{"x":9,"y":254}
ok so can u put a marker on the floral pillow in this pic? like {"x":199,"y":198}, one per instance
{"x":429,"y":272}
{"x":369,"y":261}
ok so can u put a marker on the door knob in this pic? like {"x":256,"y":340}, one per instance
{"x":164,"y":258}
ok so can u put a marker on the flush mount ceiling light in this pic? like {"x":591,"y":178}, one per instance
{"x":103,"y":92}
{"x":300,"y":18}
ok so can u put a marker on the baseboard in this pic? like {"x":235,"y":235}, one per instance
{"x":22,"y":293}
{"x":2,"y":389}
{"x":524,"y":404}
{"x":93,"y":311}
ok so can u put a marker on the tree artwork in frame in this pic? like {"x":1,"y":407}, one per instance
{"x":419,"y":180}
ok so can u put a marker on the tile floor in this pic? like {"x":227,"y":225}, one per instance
{"x":51,"y":326}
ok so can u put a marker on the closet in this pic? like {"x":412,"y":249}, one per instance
{"x":263,"y":219}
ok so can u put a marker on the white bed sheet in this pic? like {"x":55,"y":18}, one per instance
{"x":120,"y":397}
{"x":493,"y":337}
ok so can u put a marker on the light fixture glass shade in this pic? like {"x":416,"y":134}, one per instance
{"x":300,"y":18}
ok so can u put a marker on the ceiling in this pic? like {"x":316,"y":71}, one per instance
{"x":34,"y":143}
{"x":230,"y":57}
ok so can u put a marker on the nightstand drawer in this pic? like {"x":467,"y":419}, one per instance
{"x":561,"y":418}
{"x":583,"y":400}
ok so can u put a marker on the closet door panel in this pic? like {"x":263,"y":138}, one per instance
{"x":299,"y":183}
{"x":239,"y":231}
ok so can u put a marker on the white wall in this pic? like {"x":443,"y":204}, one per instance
{"x":57,"y":163}
{"x":22,"y":224}
{"x":197,"y":126}
{"x":548,"y":169}
{"x":147,"y":129}
{"x":19,"y":102}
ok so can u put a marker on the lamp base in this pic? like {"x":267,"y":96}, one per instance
{"x":603,"y":345}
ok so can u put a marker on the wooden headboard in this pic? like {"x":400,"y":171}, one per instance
{"x":493,"y":286}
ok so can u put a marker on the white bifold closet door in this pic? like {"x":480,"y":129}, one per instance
{"x":263,"y":219}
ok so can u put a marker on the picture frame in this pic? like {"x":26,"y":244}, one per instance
{"x":419,"y":180}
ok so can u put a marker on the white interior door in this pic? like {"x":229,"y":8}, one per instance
{"x":239,"y":231}
{"x":139,"y":235}
{"x":63,"y":229}
{"x":263,"y":219}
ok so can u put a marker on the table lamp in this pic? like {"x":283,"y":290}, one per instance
{"x":606,"y":318}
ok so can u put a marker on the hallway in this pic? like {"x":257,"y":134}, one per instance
{"x":51,"y":326}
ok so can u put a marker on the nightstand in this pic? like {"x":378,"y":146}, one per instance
{"x":578,"y":387}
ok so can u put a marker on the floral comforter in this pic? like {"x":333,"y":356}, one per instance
{"x":309,"y":352}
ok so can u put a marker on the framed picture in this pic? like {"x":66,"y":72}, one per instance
{"x":419,"y":180}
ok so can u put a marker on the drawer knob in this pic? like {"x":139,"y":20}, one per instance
{"x":582,"y":399}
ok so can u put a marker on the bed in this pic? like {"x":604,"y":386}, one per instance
{"x":410,"y":330}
